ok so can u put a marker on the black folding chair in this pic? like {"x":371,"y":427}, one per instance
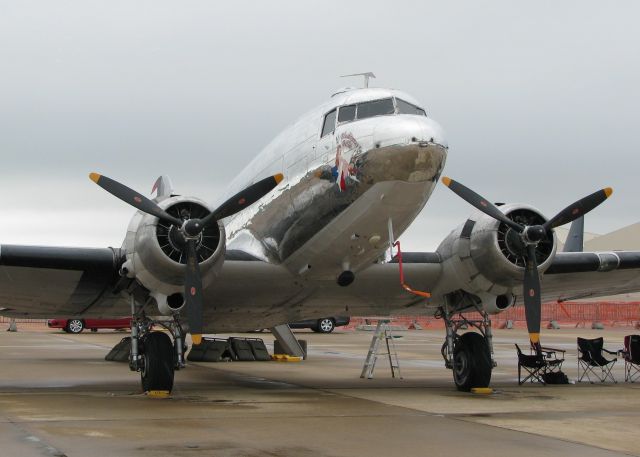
{"x":533,"y":365}
{"x":631,"y":355}
{"x":592,"y":362}
{"x":552,"y":359}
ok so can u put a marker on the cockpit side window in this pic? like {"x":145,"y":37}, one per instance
{"x":347,"y":113}
{"x":329,"y":123}
{"x":408,"y":108}
{"x":375,"y":108}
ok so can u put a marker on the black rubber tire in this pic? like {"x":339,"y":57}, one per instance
{"x":74,"y":326}
{"x":326,"y":325}
{"x":158,"y":370}
{"x":471,"y":362}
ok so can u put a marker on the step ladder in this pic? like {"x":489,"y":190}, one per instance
{"x":382,"y":332}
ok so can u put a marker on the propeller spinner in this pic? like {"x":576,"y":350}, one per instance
{"x":190,"y":229}
{"x":530,"y":237}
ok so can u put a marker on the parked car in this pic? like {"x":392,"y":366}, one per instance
{"x":78,"y":325}
{"x":322,"y":325}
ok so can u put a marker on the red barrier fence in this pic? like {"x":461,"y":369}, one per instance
{"x":565,"y":314}
{"x":6,"y":320}
{"x":611,"y":313}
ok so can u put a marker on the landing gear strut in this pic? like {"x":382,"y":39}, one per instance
{"x":470,"y":354}
{"x":153,"y":354}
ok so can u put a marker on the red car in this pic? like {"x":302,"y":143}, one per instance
{"x":78,"y":325}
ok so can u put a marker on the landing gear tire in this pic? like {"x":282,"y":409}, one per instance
{"x":75,"y":326}
{"x":325,"y":325}
{"x":471,"y":362}
{"x":158,"y":369}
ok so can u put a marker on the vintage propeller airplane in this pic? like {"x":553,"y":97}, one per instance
{"x":302,"y":233}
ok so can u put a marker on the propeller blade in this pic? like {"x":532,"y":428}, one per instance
{"x":579,"y":208}
{"x":133,"y":198}
{"x":531,"y":294}
{"x":243,"y":199}
{"x":193,"y":292}
{"x":481,"y":203}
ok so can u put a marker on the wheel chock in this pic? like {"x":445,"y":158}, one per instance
{"x":482,"y":390}
{"x":158,"y":394}
{"x":285,"y":358}
{"x":120,"y":352}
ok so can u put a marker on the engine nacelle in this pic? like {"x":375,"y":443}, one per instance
{"x":485,"y":257}
{"x":156,"y":258}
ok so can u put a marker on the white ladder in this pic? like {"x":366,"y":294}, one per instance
{"x":383,"y":332}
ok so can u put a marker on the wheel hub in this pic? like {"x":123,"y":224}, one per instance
{"x":75,"y":326}
{"x":326,"y":325}
{"x":460,"y":365}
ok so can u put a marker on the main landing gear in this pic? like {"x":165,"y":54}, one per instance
{"x":469,"y":355}
{"x":153,"y":353}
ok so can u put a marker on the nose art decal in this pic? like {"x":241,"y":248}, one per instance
{"x":347,"y":150}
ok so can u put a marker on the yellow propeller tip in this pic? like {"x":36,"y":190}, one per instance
{"x":608,"y":191}
{"x":197,"y":339}
{"x":446,"y":181}
{"x":94,"y":177}
{"x":534,"y":337}
{"x":279,"y":177}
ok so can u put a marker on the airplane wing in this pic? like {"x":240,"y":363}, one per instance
{"x":39,"y":281}
{"x":47,"y":282}
{"x":571,"y":276}
{"x":57,"y":281}
{"x":576,"y":275}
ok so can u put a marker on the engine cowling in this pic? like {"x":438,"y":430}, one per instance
{"x":484,"y":257}
{"x":153,"y":256}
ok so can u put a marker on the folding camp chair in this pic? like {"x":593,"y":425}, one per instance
{"x":552,"y":359}
{"x":533,"y":366}
{"x":631,"y":358}
{"x":592,"y":362}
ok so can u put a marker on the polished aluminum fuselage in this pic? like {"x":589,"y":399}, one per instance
{"x":319,"y":224}
{"x":330,"y":213}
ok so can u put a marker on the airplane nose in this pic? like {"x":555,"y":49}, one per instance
{"x":407,"y":148}
{"x":408,"y":129}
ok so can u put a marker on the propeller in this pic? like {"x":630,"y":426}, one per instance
{"x":530,"y":236}
{"x":190,"y":229}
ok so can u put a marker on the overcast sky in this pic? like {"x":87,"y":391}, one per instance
{"x":539,"y":100}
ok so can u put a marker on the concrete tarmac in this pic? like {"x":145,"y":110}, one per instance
{"x":58,"y":397}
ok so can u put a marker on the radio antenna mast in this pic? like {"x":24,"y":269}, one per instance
{"x":366,"y":75}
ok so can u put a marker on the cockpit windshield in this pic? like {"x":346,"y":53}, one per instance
{"x":375,"y":108}
{"x":408,"y":108}
{"x":347,"y":113}
{"x":364,"y":110}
